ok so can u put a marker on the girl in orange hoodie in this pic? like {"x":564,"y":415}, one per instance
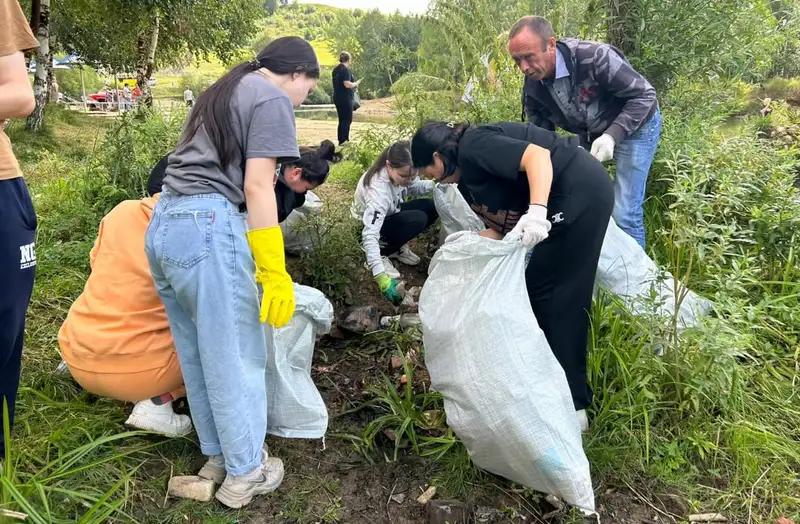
{"x":116,"y":339}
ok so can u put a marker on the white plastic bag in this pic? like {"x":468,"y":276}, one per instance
{"x":295,"y":238}
{"x":295,"y":408}
{"x":628,"y":272}
{"x":505,"y":394}
{"x":454,"y":212}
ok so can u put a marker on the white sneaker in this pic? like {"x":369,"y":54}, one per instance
{"x":406,"y":256}
{"x":583,"y":420}
{"x":214,"y":468}
{"x":159,"y":419}
{"x":388,"y":268}
{"x":238,"y":491}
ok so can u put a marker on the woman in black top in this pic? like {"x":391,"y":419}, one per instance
{"x":524,"y":178}
{"x":343,"y":85}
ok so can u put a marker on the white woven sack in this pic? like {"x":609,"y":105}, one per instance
{"x":295,"y":408}
{"x":627,"y":271}
{"x":505,"y":394}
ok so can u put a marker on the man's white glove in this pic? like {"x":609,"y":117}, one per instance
{"x":603,"y":148}
{"x":533,"y":226}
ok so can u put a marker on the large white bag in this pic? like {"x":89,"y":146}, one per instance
{"x":505,"y":394}
{"x":296,"y":239}
{"x":454,"y":212}
{"x":295,"y":408}
{"x":628,"y":272}
{"x":625,"y":269}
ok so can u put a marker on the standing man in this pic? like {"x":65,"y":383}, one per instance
{"x":17,"y":217}
{"x":591,"y":89}
{"x":126,"y":96}
{"x":188,"y":97}
{"x":344,"y":84}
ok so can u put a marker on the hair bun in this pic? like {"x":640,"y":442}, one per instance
{"x":326,"y":150}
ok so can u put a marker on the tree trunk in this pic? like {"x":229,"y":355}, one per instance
{"x":50,"y":72}
{"x":146,"y":62}
{"x":36,"y":10}
{"x":40,"y":90}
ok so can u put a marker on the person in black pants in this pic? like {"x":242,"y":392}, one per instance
{"x":522,"y":178}
{"x":343,"y":85}
{"x":390,"y":221}
{"x":17,"y":216}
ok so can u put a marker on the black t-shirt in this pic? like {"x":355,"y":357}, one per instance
{"x":491,"y":181}
{"x":287,"y":199}
{"x":340,"y":74}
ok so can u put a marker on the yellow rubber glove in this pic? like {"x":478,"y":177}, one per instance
{"x":277,"y":303}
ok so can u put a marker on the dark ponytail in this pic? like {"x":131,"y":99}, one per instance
{"x":314,"y":162}
{"x":286,"y":55}
{"x":398,"y":155}
{"x":438,"y":137}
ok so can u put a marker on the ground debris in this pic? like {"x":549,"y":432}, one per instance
{"x":707,"y":517}
{"x":487,"y":515}
{"x":399,"y":498}
{"x":447,"y":512}
{"x":191,"y":487}
{"x":359,"y":319}
{"x":428,"y":495}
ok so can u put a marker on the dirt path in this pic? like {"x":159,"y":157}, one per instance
{"x":314,"y":131}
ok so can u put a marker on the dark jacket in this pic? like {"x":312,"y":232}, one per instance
{"x":610,"y":95}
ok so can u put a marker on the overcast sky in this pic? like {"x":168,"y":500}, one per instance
{"x":387,"y":6}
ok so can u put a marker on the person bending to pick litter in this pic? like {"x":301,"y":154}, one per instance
{"x":213,"y":237}
{"x":591,"y":89}
{"x":523,"y":178}
{"x":389,"y":221}
{"x":116,"y":339}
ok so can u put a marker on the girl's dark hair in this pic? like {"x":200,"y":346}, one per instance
{"x":398,"y":155}
{"x":344,"y":56}
{"x":438,"y":137}
{"x":313,"y":162}
{"x":286,"y":55}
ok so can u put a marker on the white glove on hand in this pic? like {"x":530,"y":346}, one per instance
{"x":533,"y":226}
{"x":603,"y":148}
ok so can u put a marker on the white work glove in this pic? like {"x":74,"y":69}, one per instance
{"x":603,"y":148}
{"x":533,"y":226}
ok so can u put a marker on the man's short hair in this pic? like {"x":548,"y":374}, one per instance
{"x":537,"y":24}
{"x":344,"y":56}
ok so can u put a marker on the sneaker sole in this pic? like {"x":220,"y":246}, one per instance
{"x":142,"y":424}
{"x":234,"y":501}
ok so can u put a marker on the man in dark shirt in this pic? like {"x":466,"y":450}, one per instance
{"x":590,"y":89}
{"x":343,"y":85}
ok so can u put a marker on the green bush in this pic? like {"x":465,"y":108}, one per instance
{"x":197,"y":83}
{"x":317,"y":96}
{"x":135,"y":144}
{"x":69,"y":81}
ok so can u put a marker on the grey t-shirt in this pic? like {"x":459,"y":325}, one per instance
{"x":263,"y":124}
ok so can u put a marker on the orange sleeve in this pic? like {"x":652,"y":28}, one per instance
{"x":15,"y":33}
{"x":96,"y":247}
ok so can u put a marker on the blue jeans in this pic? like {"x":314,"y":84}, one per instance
{"x":205,"y":275}
{"x":633,"y":158}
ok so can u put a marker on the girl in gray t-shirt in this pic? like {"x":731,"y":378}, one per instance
{"x":213,"y":238}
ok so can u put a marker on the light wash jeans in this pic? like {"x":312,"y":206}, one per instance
{"x":205,"y":275}
{"x":633,"y":157}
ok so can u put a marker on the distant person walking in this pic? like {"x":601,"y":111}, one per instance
{"x":188,"y":97}
{"x":126,"y":98}
{"x":344,"y":84}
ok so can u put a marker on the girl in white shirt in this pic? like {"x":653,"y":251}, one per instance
{"x":389,"y":221}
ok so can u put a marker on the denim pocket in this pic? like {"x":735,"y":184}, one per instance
{"x":186,"y":239}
